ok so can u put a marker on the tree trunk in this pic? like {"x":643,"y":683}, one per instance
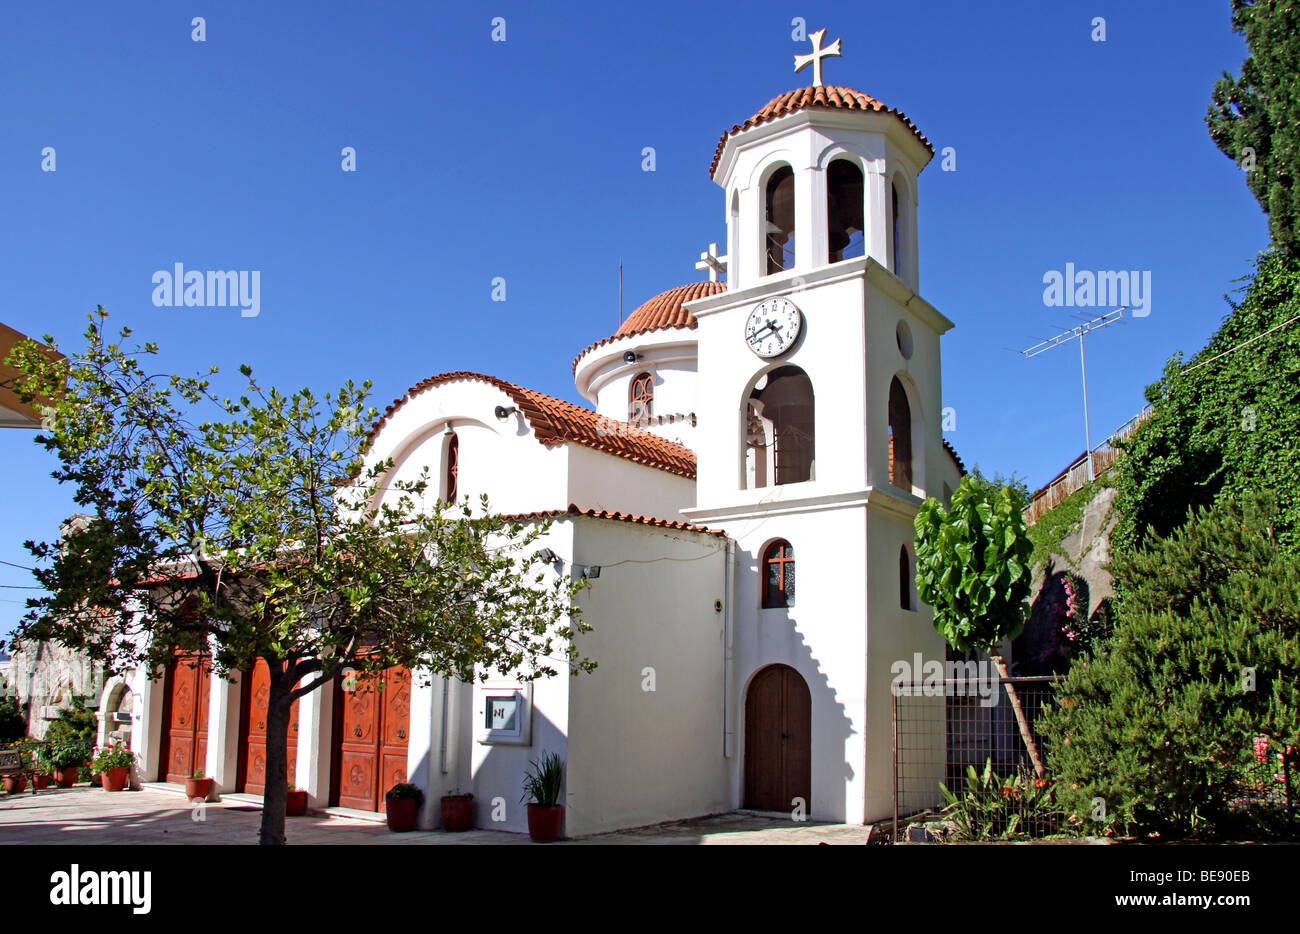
{"x":1025,"y":734}
{"x":276,"y":792}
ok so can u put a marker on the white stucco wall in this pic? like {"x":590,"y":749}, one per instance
{"x":639,"y":756}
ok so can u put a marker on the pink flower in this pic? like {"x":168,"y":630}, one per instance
{"x":1261,"y":747}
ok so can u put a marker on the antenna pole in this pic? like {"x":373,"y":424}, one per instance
{"x":1064,"y":338}
{"x":1087,"y":429}
{"x":620,"y":293}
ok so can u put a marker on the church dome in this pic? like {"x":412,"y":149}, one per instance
{"x":663,"y":312}
{"x":829,"y":97}
{"x":665,"y":309}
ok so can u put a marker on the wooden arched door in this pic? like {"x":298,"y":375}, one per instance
{"x":371,"y":733}
{"x":778,"y":740}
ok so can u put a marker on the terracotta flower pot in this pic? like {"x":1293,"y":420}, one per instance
{"x":14,"y":784}
{"x":198,"y":788}
{"x":114,"y":779}
{"x":544,"y":822}
{"x":65,"y":777}
{"x":401,"y":814}
{"x":40,"y":780}
{"x":295,"y":805}
{"x":457,"y":813}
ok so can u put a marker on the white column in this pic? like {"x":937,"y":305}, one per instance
{"x":147,"y":723}
{"x":812,"y":249}
{"x":878,"y":217}
{"x":315,"y":744}
{"x":752,"y":263}
{"x":222,"y":760}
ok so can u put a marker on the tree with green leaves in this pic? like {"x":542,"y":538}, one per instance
{"x":1255,"y":118}
{"x":972,"y":569}
{"x":1172,"y":718}
{"x":265,"y":531}
{"x":1223,"y":422}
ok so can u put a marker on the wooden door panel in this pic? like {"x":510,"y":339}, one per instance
{"x":186,"y":731}
{"x":253,"y":725}
{"x":778,"y":740}
{"x":371,"y":739}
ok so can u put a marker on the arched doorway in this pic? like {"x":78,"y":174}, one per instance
{"x":778,"y":740}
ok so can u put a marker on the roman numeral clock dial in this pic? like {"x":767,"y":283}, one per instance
{"x":773,"y":327}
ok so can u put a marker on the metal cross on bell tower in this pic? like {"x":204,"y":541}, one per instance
{"x":816,"y":55}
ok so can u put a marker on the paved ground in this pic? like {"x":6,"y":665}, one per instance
{"x":92,"y":816}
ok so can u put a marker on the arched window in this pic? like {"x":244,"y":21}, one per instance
{"x":896,"y":231}
{"x":779,"y":220}
{"x":844,"y":210}
{"x":452,"y":468}
{"x":900,"y":437}
{"x":780,"y":428}
{"x":905,"y":579}
{"x":778,"y":575}
{"x":641,"y":399}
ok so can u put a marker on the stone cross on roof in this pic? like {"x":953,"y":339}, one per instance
{"x":711,"y":261}
{"x":816,"y":55}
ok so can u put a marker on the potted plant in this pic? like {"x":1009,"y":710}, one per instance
{"x":402,"y":805}
{"x":66,"y":755}
{"x":542,"y":785}
{"x":113,"y":766}
{"x":295,"y":803}
{"x":41,"y":767}
{"x":457,"y":812}
{"x":198,"y":786}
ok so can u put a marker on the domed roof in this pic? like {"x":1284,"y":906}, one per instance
{"x":829,"y":97}
{"x":665,"y":309}
{"x":662,"y":312}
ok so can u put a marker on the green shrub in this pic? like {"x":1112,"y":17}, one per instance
{"x":1163,"y":721}
{"x":13,"y":725}
{"x":542,"y":782}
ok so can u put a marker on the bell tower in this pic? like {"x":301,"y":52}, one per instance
{"x":819,"y":435}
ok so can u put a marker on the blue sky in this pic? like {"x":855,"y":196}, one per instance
{"x":522,"y":159}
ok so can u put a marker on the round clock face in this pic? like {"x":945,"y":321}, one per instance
{"x":773,"y":327}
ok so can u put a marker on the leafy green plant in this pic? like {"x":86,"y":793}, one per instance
{"x":115,"y":757}
{"x":198,"y":774}
{"x":992,"y":808}
{"x":68,"y":753}
{"x":13,"y":725}
{"x":1200,"y":679}
{"x":28,"y":749}
{"x":405,"y":791}
{"x":972,"y":568}
{"x":543,"y":779}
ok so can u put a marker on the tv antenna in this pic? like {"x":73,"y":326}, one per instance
{"x":1077,"y":333}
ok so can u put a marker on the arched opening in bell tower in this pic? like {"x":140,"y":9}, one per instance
{"x":900,"y":437}
{"x":778,"y":220}
{"x":780,"y":438}
{"x":844,"y":211}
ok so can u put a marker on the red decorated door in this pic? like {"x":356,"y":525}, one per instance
{"x":252,"y":731}
{"x":372,"y":724}
{"x":185,"y":716}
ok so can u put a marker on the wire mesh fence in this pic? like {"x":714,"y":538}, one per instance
{"x":943,"y":728}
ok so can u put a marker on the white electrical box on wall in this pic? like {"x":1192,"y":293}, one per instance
{"x":503,"y":712}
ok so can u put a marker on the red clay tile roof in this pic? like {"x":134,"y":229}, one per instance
{"x":575,"y":510}
{"x":662,"y":312}
{"x":828,"y":97}
{"x":555,"y":421}
{"x":952,"y":452}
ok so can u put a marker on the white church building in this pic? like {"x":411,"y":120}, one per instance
{"x":740,"y":496}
